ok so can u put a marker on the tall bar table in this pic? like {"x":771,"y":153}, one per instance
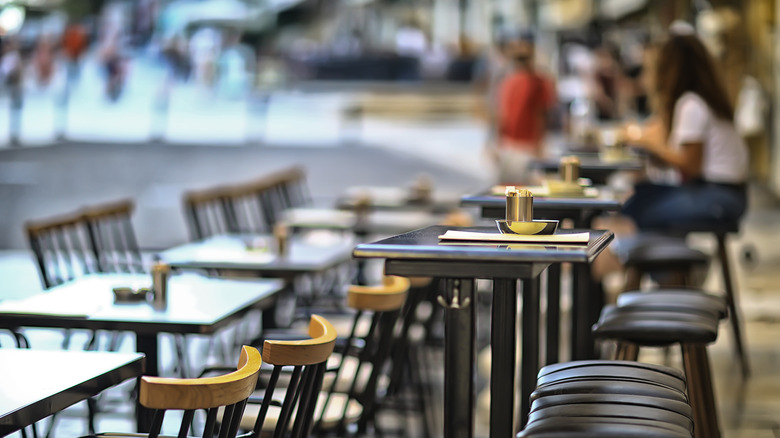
{"x":421,"y":253}
{"x":585,"y":309}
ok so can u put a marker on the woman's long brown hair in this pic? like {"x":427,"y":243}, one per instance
{"x":683,"y":65}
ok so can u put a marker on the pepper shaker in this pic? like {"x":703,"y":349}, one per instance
{"x":160,"y":273}
{"x":281,"y":236}
{"x":519,"y":205}
{"x":570,"y":169}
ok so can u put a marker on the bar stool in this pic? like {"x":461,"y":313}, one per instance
{"x":671,"y":255}
{"x":635,"y":327}
{"x":665,"y":256}
{"x":601,"y":398}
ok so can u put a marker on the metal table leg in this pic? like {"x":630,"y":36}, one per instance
{"x":502,"y":368}
{"x":553,"y":319}
{"x":529,"y":366}
{"x":146,"y":344}
{"x":459,"y":358}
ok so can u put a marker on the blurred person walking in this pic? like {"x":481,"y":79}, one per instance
{"x":43,"y":59}
{"x":11,"y":74}
{"x":114,"y":67}
{"x":74,"y":44}
{"x":525,"y":99}
{"x":694,"y":135}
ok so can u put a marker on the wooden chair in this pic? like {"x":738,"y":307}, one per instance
{"x":357,"y":371}
{"x":308,"y":359}
{"x":113,"y":238}
{"x":63,"y":249}
{"x":351,"y":394}
{"x":208,"y":213}
{"x":222,"y":397}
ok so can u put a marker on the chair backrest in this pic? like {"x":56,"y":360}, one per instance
{"x":382,"y":305}
{"x":308,"y":359}
{"x":253,"y":207}
{"x":208,"y":212}
{"x":63,"y":249}
{"x":278,"y":192}
{"x":113,"y":238}
{"x":229,"y":391}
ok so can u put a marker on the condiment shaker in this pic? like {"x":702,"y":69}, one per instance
{"x":160,"y":273}
{"x":281,"y":236}
{"x":570,"y":169}
{"x":519,"y":205}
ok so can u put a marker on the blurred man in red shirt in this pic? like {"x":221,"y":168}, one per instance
{"x":526,"y":97}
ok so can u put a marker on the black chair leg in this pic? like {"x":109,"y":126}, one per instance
{"x":731,"y":301}
{"x":701,"y":395}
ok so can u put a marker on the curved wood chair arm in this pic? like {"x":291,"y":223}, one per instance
{"x":206,"y":392}
{"x":305,"y":352}
{"x":123,"y":207}
{"x":389,"y":296}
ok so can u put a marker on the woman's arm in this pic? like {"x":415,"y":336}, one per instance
{"x":687,"y":159}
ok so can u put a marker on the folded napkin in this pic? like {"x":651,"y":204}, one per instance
{"x":499,"y":237}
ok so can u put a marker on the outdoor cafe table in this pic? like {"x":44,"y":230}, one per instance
{"x":385,"y":222}
{"x":196,"y":305}
{"x":592,"y":166}
{"x":421,"y":253}
{"x":37,"y":383}
{"x":397,"y":199}
{"x":585,"y":309}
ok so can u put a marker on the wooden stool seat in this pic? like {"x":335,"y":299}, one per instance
{"x":693,"y":330}
{"x":675,"y":299}
{"x":608,"y":370}
{"x":603,"y":386}
{"x":656,"y":327}
{"x":600,"y":427}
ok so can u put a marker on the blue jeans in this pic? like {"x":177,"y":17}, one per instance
{"x":687,"y":207}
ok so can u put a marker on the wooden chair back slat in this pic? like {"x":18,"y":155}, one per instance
{"x":111,"y":230}
{"x":308,"y":360}
{"x":62,"y":249}
{"x":253,"y":207}
{"x":229,"y":391}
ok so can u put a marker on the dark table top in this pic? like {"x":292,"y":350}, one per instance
{"x":37,"y":383}
{"x":397,"y":198}
{"x":542,"y":205}
{"x":196,"y":304}
{"x":592,"y":165}
{"x":477,"y":259}
{"x":308,"y":253}
{"x":375,"y":222}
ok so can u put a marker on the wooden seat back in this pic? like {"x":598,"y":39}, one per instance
{"x":113,"y":237}
{"x":308,"y":359}
{"x":62,"y":248}
{"x":229,"y":391}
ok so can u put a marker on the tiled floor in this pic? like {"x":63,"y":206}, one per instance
{"x":748,"y":409}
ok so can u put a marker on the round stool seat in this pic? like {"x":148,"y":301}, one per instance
{"x":675,"y":299}
{"x":656,"y":327}
{"x":600,"y":427}
{"x":611,"y":410}
{"x":657,"y":251}
{"x":610,"y":370}
{"x":679,"y":407}
{"x":605,"y":386}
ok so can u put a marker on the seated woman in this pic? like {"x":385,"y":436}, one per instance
{"x":694,"y":135}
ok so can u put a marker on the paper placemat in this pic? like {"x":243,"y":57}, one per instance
{"x":498,"y":237}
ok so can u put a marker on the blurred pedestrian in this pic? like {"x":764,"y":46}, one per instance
{"x":74,"y":45}
{"x":11,"y":73}
{"x":526,"y":97}
{"x":43,"y":59}
{"x":114,"y":67}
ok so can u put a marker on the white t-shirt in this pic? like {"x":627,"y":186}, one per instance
{"x":725,"y":155}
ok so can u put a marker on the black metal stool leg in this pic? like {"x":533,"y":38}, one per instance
{"x":701,"y":395}
{"x":731,"y":301}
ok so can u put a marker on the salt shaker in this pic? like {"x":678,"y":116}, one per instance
{"x":281,"y":236}
{"x":570,"y":169}
{"x":160,"y":273}
{"x":519,"y":205}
